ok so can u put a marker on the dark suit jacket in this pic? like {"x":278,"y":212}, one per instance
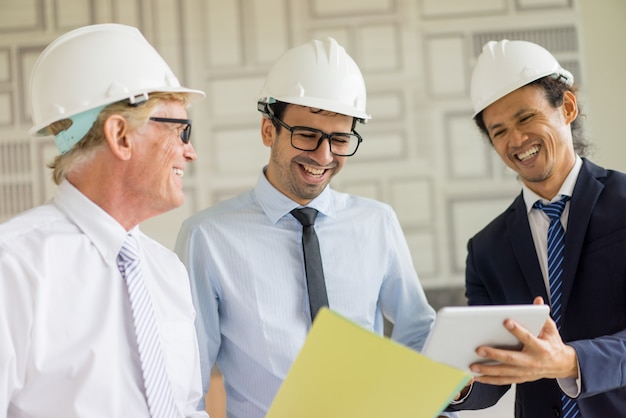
{"x":502,"y":268}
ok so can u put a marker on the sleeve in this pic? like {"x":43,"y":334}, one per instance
{"x":192,"y":250}
{"x":16,"y":317}
{"x":602,"y":363}
{"x":194,"y":408}
{"x":475,"y":289}
{"x":402,"y":298}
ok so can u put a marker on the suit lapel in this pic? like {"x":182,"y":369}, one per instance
{"x":584,"y":198}
{"x":522,"y":241}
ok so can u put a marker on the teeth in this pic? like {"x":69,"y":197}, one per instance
{"x":528,"y":154}
{"x":179,"y":172}
{"x":314,"y":171}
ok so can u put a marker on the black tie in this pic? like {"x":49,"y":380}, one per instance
{"x":312,"y":260}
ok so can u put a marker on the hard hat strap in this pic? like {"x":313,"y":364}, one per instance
{"x":263,"y":106}
{"x":138,"y":99}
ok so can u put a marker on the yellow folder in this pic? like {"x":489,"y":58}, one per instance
{"x":344,"y":371}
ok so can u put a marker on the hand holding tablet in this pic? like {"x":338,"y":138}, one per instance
{"x":459,"y":330}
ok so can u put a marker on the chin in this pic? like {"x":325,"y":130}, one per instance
{"x":178,"y":202}
{"x":173,"y":201}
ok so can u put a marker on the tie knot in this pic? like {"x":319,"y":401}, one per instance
{"x":130,"y":249}
{"x":306,"y":216}
{"x":554,"y":209}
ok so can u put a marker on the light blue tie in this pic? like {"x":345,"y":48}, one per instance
{"x":156,"y":382}
{"x":556,"y":245}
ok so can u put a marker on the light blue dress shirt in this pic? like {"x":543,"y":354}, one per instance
{"x":245,"y":261}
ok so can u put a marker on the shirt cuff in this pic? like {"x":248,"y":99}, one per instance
{"x":461,"y":400}
{"x":571,"y":387}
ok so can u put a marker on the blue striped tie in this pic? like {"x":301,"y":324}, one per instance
{"x":556,"y":245}
{"x":156,"y":382}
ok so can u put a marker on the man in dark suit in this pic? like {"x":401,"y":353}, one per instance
{"x":526,"y":104}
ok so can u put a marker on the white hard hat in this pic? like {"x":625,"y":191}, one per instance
{"x":318,"y":74}
{"x":89,"y":68}
{"x":505,"y":66}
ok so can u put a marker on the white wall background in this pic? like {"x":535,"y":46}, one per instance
{"x":421,"y":152}
{"x":603,"y":33}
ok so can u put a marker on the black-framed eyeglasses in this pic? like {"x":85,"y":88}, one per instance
{"x":343,"y":144}
{"x":185,"y":134}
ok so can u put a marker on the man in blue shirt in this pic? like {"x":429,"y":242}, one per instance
{"x":245,"y":256}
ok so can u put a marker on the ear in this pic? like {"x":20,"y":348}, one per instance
{"x":116,"y":134}
{"x":268,"y":132}
{"x":570,"y":107}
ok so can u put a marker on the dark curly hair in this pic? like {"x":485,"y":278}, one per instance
{"x":554,"y":91}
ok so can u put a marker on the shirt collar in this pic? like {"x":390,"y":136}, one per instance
{"x":567,"y":188}
{"x":105,"y":233}
{"x":276,"y":205}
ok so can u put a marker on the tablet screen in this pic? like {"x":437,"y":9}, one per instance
{"x":459,"y":330}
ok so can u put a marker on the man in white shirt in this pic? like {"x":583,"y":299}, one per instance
{"x":71,"y":332}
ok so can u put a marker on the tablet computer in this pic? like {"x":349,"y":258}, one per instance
{"x":459,"y":330}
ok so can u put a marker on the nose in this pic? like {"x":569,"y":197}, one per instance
{"x":189,"y":152}
{"x":517,"y":137}
{"x":322,"y":154}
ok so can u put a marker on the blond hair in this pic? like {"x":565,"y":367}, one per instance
{"x":85,"y":150}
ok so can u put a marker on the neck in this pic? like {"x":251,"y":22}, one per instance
{"x":104,"y":183}
{"x":549,"y":187}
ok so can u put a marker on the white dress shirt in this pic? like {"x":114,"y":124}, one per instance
{"x":245,"y":261}
{"x":67,"y":342}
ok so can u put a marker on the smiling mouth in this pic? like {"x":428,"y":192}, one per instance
{"x":179,"y":172}
{"x":316,"y":172}
{"x":527,"y":155}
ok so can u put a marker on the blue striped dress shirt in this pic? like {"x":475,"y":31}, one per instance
{"x":245,"y":262}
